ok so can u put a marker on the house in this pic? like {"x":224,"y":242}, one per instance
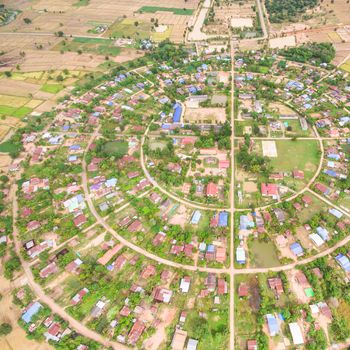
{"x":162,"y":294}
{"x":298,"y":174}
{"x":222,"y":286}
{"x":297,"y":249}
{"x":323,"y":233}
{"x":98,"y":309}
{"x":103,"y":260}
{"x":210,"y":282}
{"x":196,"y":217}
{"x":33,"y":225}
{"x":31,"y":311}
{"x":240,"y":255}
{"x":269,"y":190}
{"x":54,"y":332}
{"x":252,"y":344}
{"x":49,"y":270}
{"x":276,"y":285}
{"x":243,"y":290}
{"x":136,"y":332}
{"x":223,"y":219}
{"x":136,"y":226}
{"x":212,"y":190}
{"x":155,"y":197}
{"x":179,"y":339}
{"x":185,"y":284}
{"x":79,"y":296}
{"x":322,"y":188}
{"x":220,"y":254}
{"x":272,"y":325}
{"x":148,"y":271}
{"x":79,"y":220}
{"x":192,"y":344}
{"x":316,"y":239}
{"x":307,"y":200}
{"x":297,"y":335}
{"x":73,"y":267}
{"x":344,"y":262}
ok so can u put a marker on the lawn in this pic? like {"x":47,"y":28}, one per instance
{"x":263,"y":254}
{"x":297,"y":155}
{"x":116,"y":147}
{"x":174,"y":10}
{"x":129,"y":28}
{"x":52,"y":88}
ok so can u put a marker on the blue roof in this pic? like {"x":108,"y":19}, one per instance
{"x":245,"y":223}
{"x":323,"y":233}
{"x":272,"y":324}
{"x":33,"y":310}
{"x":296,"y":248}
{"x":334,"y":156}
{"x":177,"y":113}
{"x":336,"y":213}
{"x":196,"y":217}
{"x":331,"y":173}
{"x":211,"y":248}
{"x":343,"y":261}
{"x":223,"y":219}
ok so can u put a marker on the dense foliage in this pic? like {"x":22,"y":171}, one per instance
{"x":317,"y":52}
{"x":287,"y":10}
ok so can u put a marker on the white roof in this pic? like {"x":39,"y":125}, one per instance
{"x":240,"y":254}
{"x":296,"y":333}
{"x":184,"y":286}
{"x":314,"y":309}
{"x":318,"y":241}
{"x":192,"y":344}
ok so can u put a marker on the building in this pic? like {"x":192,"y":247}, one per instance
{"x":272,"y":325}
{"x":31,"y":311}
{"x":179,"y":340}
{"x":296,"y":333}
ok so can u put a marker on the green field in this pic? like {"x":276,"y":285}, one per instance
{"x":116,"y":147}
{"x":129,"y":28}
{"x":98,"y":46}
{"x":81,"y":3}
{"x":263,"y":254}
{"x":8,"y":147}
{"x":297,"y":155}
{"x":52,"y":88}
{"x":174,"y":10}
{"x":14,"y":112}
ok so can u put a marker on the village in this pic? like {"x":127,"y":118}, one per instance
{"x":158,"y":202}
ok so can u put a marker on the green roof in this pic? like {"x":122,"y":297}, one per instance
{"x":309,"y":292}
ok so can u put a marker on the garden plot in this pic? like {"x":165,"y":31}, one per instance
{"x":269,"y":149}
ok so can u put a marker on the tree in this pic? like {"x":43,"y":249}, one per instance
{"x":5,"y":328}
{"x":27,"y":20}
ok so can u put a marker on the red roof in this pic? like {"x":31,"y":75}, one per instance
{"x":298,"y":174}
{"x":243,"y":290}
{"x":109,"y":254}
{"x":79,"y":220}
{"x":135,"y":226}
{"x":269,"y":189}
{"x":224,"y":164}
{"x":136,"y":332}
{"x":212,"y":189}
{"x":222,"y":286}
{"x":149,"y":271}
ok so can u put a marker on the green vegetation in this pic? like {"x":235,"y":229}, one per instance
{"x":52,"y":88}
{"x":287,"y":10}
{"x":263,"y":253}
{"x":14,"y":112}
{"x":5,"y":328}
{"x":80,"y":3}
{"x":7,"y":15}
{"x":98,"y":46}
{"x":317,"y":52}
{"x":174,"y":10}
{"x":115,"y":148}
{"x":128,"y":28}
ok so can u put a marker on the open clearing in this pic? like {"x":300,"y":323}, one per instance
{"x":269,"y":149}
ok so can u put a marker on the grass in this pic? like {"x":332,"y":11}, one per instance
{"x":14,"y":112}
{"x":174,"y":10}
{"x":52,"y":88}
{"x":8,"y":147}
{"x":161,"y":36}
{"x":297,"y":155}
{"x":80,"y":3}
{"x":263,"y":254}
{"x":346,"y":66}
{"x":119,"y":147}
{"x":98,"y":46}
{"x":126,"y":28}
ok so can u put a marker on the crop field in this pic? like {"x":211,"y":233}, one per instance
{"x":98,"y":46}
{"x":130,"y":28}
{"x":174,"y":10}
{"x":346,"y":66}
